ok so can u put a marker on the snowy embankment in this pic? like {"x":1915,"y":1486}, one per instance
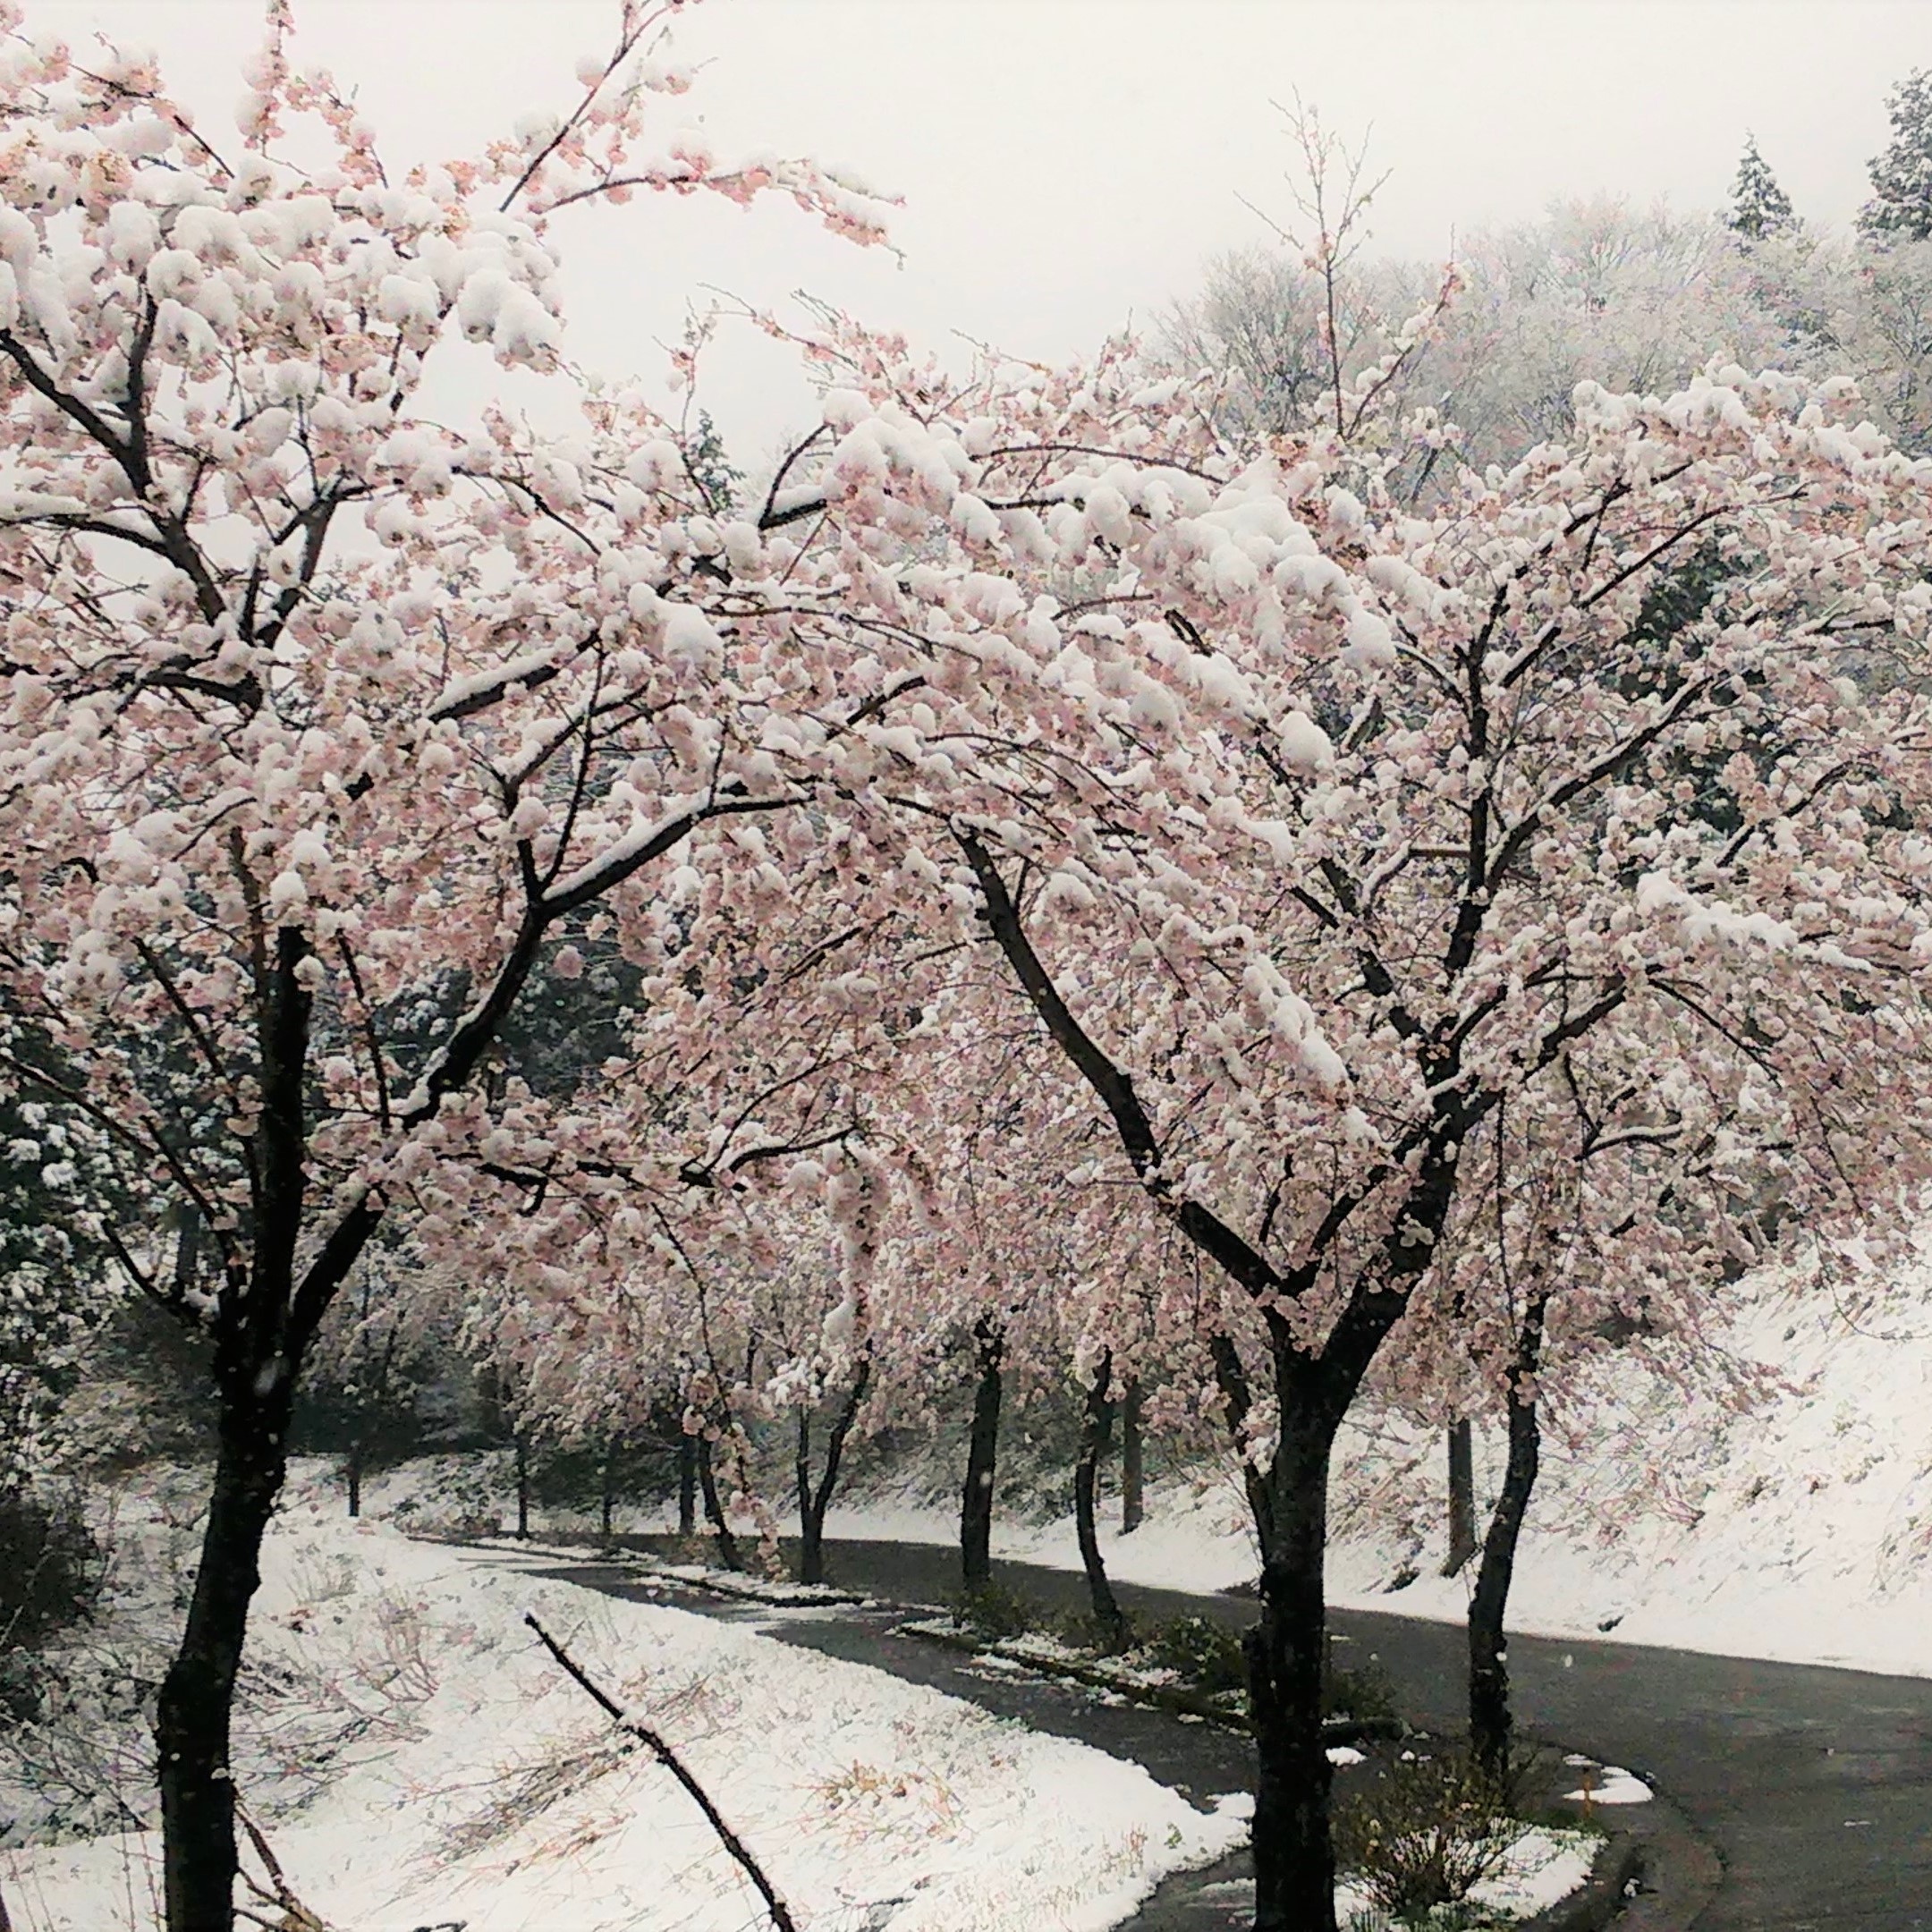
{"x":1800,"y":1530}
{"x":452,"y":1773}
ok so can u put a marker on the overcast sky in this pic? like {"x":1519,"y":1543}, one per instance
{"x":1067,"y":165}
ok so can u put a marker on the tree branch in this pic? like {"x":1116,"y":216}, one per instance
{"x":1244,"y":1263}
{"x":781,"y":1917}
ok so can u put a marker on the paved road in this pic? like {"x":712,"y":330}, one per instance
{"x":1813,"y":1785}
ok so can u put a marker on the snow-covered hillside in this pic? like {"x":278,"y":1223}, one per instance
{"x":1798,"y":1528}
{"x":437,"y":1766}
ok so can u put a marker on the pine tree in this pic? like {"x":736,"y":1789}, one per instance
{"x":1901,"y":207}
{"x":1759,"y":205}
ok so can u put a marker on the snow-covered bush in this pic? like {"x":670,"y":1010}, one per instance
{"x":1424,"y":1833}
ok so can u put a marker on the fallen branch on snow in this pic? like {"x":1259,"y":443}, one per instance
{"x":781,"y":1917}
{"x":295,"y":1916}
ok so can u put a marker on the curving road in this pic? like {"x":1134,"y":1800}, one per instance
{"x":1813,"y":1785}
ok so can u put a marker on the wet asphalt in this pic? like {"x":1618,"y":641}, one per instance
{"x":1812,"y":1787}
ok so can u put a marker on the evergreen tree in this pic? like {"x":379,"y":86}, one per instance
{"x":1759,"y":205}
{"x":1901,"y":207}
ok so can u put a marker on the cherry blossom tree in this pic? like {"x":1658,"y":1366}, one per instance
{"x":1308,"y":834}
{"x":1315,"y":833}
{"x":1596,"y":1236}
{"x":325,"y":728}
{"x":1028,"y":1305}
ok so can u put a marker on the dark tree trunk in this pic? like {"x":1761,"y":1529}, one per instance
{"x":813,"y":1504}
{"x":1462,"y":1496}
{"x":1293,"y":1857}
{"x":522,"y":1485}
{"x":1097,"y":1432}
{"x":1293,"y":1860}
{"x":191,"y":1722}
{"x":687,"y":1485}
{"x":1490,"y":1726}
{"x":608,"y":1500}
{"x":811,"y":1523}
{"x":368,"y":1404}
{"x":982,"y":1450}
{"x":1132,"y":1461}
{"x":727,"y":1543}
{"x":264,"y":1320}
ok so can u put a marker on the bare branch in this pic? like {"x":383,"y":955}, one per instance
{"x":781,"y":1917}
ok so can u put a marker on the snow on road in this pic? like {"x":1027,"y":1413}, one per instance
{"x":1608,"y":1784}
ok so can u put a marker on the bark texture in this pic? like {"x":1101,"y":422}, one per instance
{"x":687,"y":1485}
{"x":1132,"y":1460}
{"x":191,"y":1725}
{"x":1491,"y":1737}
{"x":815,"y":1500}
{"x":1461,"y":1497}
{"x":727,"y":1544}
{"x":1097,"y":1433}
{"x":982,"y":1450}
{"x":1293,"y":1860}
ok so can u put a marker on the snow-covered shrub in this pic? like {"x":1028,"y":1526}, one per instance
{"x":996,"y":1610}
{"x":1362,"y":1691}
{"x":1424,"y":1832}
{"x":1208,"y":1654}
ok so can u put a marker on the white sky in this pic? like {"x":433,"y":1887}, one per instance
{"x":1067,"y":165}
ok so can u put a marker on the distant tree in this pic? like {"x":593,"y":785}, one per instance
{"x":1759,"y":205}
{"x":372,"y":1354}
{"x":1900,"y":207}
{"x":1635,"y":299}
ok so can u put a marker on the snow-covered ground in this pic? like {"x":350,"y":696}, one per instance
{"x":414,"y":1759}
{"x":463,"y":1776}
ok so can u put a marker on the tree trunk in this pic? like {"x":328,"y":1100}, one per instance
{"x":1132,"y":1461}
{"x":727,"y":1543}
{"x":1293,"y":1860}
{"x":811,"y":1522}
{"x":354,"y":1474}
{"x":608,"y":1500}
{"x":982,"y":1449}
{"x":1462,"y":1496}
{"x":687,"y":1485}
{"x":813,"y":1504}
{"x":191,"y":1722}
{"x":1097,"y":1432}
{"x":522,"y":1485}
{"x":1488,"y":1681}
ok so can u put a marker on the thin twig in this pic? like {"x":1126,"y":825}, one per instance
{"x":781,"y":1917}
